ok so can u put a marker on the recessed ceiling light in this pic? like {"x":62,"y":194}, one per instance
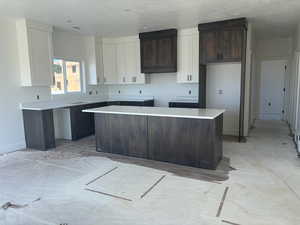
{"x":76,"y":27}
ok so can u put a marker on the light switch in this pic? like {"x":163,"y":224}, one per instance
{"x":220,"y":92}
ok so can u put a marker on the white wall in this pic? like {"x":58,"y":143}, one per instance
{"x":293,"y":92}
{"x":12,"y":94}
{"x":162,"y":86}
{"x":73,"y":46}
{"x":225,"y":78}
{"x":293,"y":100}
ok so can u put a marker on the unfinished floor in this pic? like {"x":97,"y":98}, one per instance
{"x":257,"y":183}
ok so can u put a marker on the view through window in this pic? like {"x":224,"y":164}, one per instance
{"x":67,"y":75}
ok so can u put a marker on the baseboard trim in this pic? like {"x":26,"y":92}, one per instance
{"x":297,"y":143}
{"x":296,"y":139}
{"x":231,"y":132}
{"x":12,"y":147}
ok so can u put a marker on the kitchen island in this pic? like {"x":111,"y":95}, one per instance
{"x":191,"y":137}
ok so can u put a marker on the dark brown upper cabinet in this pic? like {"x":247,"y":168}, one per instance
{"x":159,"y":51}
{"x":222,"y":41}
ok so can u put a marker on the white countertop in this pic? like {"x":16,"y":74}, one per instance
{"x":57,"y":104}
{"x":159,"y":111}
{"x":185,"y":99}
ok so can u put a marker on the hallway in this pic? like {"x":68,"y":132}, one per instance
{"x":265,"y":187}
{"x":258,"y":186}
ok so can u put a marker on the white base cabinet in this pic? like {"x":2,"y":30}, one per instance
{"x":188,"y":56}
{"x":35,"y":53}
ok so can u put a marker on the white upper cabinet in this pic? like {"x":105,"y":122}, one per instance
{"x":35,"y":53}
{"x":133,"y":62}
{"x":94,"y":63}
{"x":188,"y":56}
{"x":121,"y":61}
{"x":110,"y":62}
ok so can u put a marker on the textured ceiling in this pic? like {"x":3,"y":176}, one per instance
{"x":125,"y":17}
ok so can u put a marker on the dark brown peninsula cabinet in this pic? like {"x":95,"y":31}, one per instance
{"x":159,"y":51}
{"x":223,"y":41}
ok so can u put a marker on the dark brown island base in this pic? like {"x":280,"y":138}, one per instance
{"x":191,"y":137}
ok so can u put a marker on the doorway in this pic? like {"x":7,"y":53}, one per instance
{"x":272,"y":89}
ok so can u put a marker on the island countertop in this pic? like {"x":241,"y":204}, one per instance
{"x":159,"y":111}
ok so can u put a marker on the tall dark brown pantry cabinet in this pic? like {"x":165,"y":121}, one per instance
{"x":223,"y":41}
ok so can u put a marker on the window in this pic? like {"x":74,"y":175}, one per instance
{"x":67,"y":75}
{"x":74,"y":68}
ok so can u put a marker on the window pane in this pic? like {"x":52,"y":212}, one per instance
{"x":73,"y":76}
{"x":59,"y":86}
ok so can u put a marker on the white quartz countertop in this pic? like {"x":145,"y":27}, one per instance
{"x":57,"y":104}
{"x":159,"y":111}
{"x":184,"y":99}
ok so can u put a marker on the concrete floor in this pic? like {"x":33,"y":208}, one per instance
{"x":259,"y":185}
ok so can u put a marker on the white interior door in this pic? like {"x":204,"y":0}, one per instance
{"x":223,"y":82}
{"x":272,"y":89}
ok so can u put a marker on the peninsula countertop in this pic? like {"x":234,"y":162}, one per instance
{"x":159,"y":111}
{"x":57,"y":104}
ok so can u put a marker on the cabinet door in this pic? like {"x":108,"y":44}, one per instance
{"x":94,"y":61}
{"x":82,"y":124}
{"x":231,"y":45}
{"x":40,"y":45}
{"x":122,"y":62}
{"x":133,"y":63}
{"x":195,"y":59}
{"x":128,"y":135}
{"x":164,"y":47}
{"x":140,"y":77}
{"x":188,"y":55}
{"x":148,"y":54}
{"x":109,"y":63}
{"x":167,"y":54}
{"x":209,"y":46}
{"x":184,"y":58}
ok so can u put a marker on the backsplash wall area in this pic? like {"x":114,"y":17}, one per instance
{"x":163,"y":87}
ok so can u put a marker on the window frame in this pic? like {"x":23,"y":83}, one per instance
{"x":64,"y":70}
